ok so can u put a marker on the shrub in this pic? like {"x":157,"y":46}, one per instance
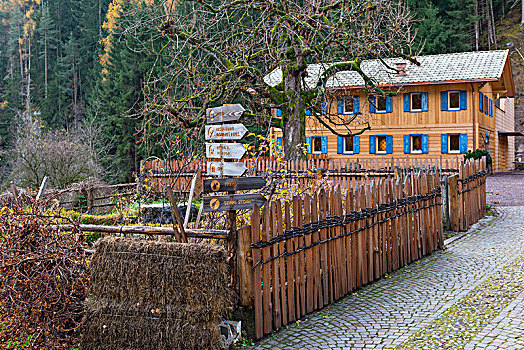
{"x":44,"y":277}
{"x":478,"y":154}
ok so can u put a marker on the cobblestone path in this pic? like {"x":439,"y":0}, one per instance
{"x":468,"y":296}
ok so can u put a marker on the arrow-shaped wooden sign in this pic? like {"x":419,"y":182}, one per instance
{"x":233,"y":202}
{"x":224,"y":113}
{"x":226,"y":168}
{"x":225,"y":150}
{"x":234,"y":184}
{"x":225,"y":132}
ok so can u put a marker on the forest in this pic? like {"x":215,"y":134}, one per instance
{"x":83,"y":81}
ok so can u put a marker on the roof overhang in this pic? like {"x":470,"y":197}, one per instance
{"x":510,"y":133}
{"x":415,"y":84}
{"x":505,"y":85}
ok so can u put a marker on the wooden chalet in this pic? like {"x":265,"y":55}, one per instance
{"x":448,"y":105}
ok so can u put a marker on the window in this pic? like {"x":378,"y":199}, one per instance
{"x":416,"y":102}
{"x":416,"y":143}
{"x":454,"y":143}
{"x":348,"y":104}
{"x":348,"y":144}
{"x":316,"y":145}
{"x":454,"y":100}
{"x":382,"y":144}
{"x":381,"y":104}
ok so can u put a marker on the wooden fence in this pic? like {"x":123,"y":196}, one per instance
{"x":467,"y":194}
{"x":316,"y":249}
{"x":158,"y":174}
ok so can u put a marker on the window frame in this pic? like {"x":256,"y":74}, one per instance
{"x":449,"y":100}
{"x":411,"y":102}
{"x":377,"y":144}
{"x":344,"y":150}
{"x":411,"y":143}
{"x":449,"y":143}
{"x":313,"y":144}
{"x":381,"y":111}
{"x":344,"y":99}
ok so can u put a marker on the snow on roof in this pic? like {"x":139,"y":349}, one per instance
{"x":464,"y":66}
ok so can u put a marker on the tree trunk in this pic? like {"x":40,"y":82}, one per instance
{"x":294,"y":114}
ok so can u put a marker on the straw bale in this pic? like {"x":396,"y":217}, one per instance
{"x":127,"y":326}
{"x":150,"y":294}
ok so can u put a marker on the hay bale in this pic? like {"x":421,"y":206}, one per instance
{"x":155,"y":295}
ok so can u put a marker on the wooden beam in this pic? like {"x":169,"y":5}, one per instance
{"x":146,"y":230}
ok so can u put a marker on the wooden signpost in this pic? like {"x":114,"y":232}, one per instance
{"x":225,"y":132}
{"x":234,"y":184}
{"x":233,"y":202}
{"x":225,"y":150}
{"x":223,"y":114}
{"x":226,"y":168}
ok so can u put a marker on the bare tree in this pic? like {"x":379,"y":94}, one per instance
{"x":222,"y":51}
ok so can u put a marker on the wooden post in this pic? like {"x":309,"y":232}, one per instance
{"x":174,"y":218}
{"x":454,"y":205}
{"x":232,"y":245}
{"x":196,"y":178}
{"x":42,"y":188}
{"x":244,"y":264}
{"x":444,"y":190}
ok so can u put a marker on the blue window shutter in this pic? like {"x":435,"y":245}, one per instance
{"x":486,"y":105}
{"x":308,"y":112}
{"x":389,"y":104}
{"x":490,"y":107}
{"x":444,"y":143}
{"x":480,"y":101}
{"x":279,"y":112}
{"x":407,"y":144}
{"x":463,"y":100}
{"x":389,"y":144}
{"x":425,"y":143}
{"x":407,"y":102}
{"x":308,"y":141}
{"x":356,"y":103}
{"x":443,"y":100}
{"x":356,"y":144}
{"x":340,"y":105}
{"x":279,"y":143}
{"x":340,"y":144}
{"x":372,"y":105}
{"x":372,"y":144}
{"x":324,"y":107}
{"x":463,"y":143}
{"x":425,"y":101}
{"x":323,"y":140}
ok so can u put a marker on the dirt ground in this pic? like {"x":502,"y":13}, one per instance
{"x":506,"y":189}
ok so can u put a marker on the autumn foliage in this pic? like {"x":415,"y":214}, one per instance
{"x":43,"y":279}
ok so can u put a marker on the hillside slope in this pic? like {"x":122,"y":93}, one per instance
{"x":509,"y":30}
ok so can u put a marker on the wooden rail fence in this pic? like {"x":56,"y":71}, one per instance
{"x":315,"y":249}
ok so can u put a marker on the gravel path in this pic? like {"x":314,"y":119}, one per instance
{"x":469,"y":296}
{"x":505,"y":189}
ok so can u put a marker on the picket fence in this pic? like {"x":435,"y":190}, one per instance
{"x":315,"y":249}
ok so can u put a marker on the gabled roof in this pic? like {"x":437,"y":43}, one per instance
{"x":444,"y":68}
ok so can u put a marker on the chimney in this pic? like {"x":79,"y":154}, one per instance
{"x":401,"y":69}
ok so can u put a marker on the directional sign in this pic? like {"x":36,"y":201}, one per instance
{"x":225,"y":132}
{"x":233,"y":202}
{"x":225,"y":150}
{"x":224,"y":113}
{"x":235,"y":184}
{"x":226,"y":168}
